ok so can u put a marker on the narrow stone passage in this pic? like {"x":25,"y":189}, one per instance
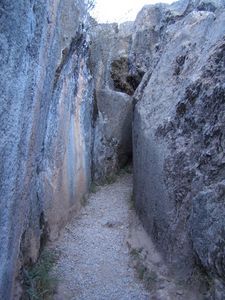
{"x":94,"y":261}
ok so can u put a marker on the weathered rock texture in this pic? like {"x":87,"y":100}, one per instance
{"x":45,"y":128}
{"x":59,"y":127}
{"x":179,"y":118}
{"x":113,"y":102}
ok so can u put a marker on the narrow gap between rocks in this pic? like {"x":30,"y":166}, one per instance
{"x":126,"y":79}
{"x":94,"y":249}
{"x":104,"y":253}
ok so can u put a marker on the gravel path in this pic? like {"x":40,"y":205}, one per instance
{"x":94,"y":263}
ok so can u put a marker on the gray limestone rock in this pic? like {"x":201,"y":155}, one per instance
{"x":114,"y":87}
{"x":68,"y":89}
{"x":113,"y":132}
{"x":45,"y":128}
{"x":178,"y":144}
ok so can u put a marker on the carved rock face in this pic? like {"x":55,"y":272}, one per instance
{"x":170,"y":62}
{"x":46,"y":131}
{"x":179,"y":145}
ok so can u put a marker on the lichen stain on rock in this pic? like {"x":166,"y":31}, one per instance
{"x":81,"y":180}
{"x":68,"y":180}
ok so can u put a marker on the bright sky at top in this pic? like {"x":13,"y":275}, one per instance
{"x":120,"y":10}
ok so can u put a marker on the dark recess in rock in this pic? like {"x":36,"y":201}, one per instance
{"x":75,"y":45}
{"x":44,"y":231}
{"x":122,"y":79}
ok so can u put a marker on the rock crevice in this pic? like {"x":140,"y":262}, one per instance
{"x":80,"y":99}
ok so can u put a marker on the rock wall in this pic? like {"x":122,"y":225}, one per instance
{"x":45,"y":128}
{"x":68,"y":90}
{"x":178,"y":135}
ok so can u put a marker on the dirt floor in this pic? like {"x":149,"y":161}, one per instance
{"x":105,"y":254}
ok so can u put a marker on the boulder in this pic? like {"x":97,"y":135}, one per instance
{"x":114,"y":86}
{"x":178,"y":144}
